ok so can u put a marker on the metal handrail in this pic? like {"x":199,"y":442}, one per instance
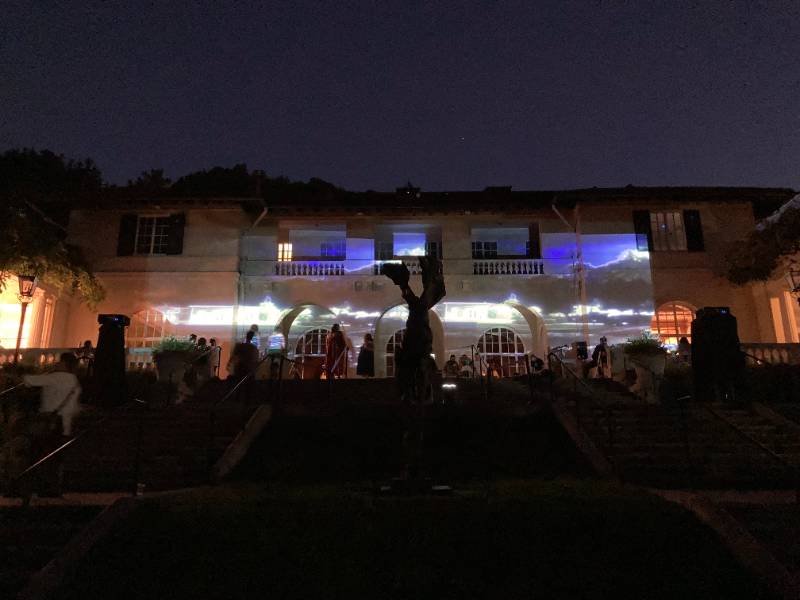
{"x":792,"y":467}
{"x":74,"y":440}
{"x":607,"y":409}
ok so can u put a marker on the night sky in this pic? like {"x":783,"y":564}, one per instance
{"x":448,"y":95}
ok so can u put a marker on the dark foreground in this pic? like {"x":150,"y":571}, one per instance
{"x":559,"y":539}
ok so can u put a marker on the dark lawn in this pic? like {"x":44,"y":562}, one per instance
{"x":534,"y":540}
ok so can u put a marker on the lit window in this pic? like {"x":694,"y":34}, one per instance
{"x":152,"y":234}
{"x":673,"y":321}
{"x":311,"y":344}
{"x":668,"y":231}
{"x":503,"y":349}
{"x":284,"y":252}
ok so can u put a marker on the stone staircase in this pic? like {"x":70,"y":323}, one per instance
{"x":177,"y":446}
{"x":703,"y":447}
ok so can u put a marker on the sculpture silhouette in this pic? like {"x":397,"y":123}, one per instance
{"x":414,"y":364}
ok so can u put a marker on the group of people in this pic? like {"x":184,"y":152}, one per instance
{"x":462,"y":367}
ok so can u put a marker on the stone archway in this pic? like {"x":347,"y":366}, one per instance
{"x":393,"y":319}
{"x":296,"y":321}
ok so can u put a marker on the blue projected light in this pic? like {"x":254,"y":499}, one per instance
{"x":409,"y":244}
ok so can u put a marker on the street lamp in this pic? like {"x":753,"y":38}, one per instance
{"x":27,"y":287}
{"x":793,"y":278}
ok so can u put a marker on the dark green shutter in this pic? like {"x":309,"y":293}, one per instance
{"x":534,"y":244}
{"x":641,"y":226}
{"x":177,"y":223}
{"x":694,"y":231}
{"x":126,"y":241}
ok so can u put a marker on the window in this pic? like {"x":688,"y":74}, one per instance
{"x":385,"y":250}
{"x":312,"y":343}
{"x":335,"y":250}
{"x":147,"y":328}
{"x":433,"y":249}
{"x":152,"y":234}
{"x":484,"y":249}
{"x":284,"y":252}
{"x":395,"y":342}
{"x":672,"y":321}
{"x":668,"y":232}
{"x":503,"y":348}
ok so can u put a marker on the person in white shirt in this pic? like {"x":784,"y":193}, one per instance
{"x":60,"y":391}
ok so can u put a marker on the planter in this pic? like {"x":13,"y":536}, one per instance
{"x":649,"y":372}
{"x":171,"y":366}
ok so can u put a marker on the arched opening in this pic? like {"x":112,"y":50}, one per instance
{"x":393,"y":319}
{"x":392,"y":345}
{"x":148,"y":327}
{"x":504,"y":350}
{"x":309,"y":352}
{"x":672,"y":321}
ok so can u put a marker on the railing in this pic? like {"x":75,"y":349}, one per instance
{"x":501,"y":266}
{"x":602,"y":406}
{"x":794,"y":469}
{"x":774,"y":354}
{"x":34,"y":357}
{"x":309,"y":268}
{"x":412,"y":265}
{"x":139,"y":359}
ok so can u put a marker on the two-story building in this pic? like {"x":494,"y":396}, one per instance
{"x":524,"y":271}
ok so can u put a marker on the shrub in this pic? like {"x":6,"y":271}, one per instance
{"x":646,"y":344}
{"x":173,"y":344}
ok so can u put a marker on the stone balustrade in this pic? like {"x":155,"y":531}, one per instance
{"x":776,"y":354}
{"x":309,"y":268}
{"x":502,"y":266}
{"x":33,"y":357}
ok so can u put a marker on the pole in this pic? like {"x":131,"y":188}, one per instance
{"x":24,"y":306}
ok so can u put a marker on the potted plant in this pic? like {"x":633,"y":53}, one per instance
{"x":173,"y":356}
{"x":648,"y":356}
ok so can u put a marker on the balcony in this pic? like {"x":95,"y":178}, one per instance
{"x":506,"y":266}
{"x":309,"y":268}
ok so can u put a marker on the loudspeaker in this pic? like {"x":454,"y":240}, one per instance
{"x":123,"y":320}
{"x":717,"y":360}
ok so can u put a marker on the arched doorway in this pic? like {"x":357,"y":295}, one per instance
{"x":672,"y":321}
{"x":503,"y":348}
{"x":392,"y":345}
{"x":309,"y":352}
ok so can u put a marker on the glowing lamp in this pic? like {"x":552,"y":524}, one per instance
{"x":27,"y":287}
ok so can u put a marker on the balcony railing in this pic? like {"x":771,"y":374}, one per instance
{"x":775,"y":354}
{"x":502,"y":266}
{"x":412,"y":264}
{"x":309,"y":268}
{"x":33,"y":357}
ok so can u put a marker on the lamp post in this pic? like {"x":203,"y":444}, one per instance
{"x":793,"y":278}
{"x":27,"y":286}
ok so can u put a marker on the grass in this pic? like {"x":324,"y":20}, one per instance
{"x":557,"y":539}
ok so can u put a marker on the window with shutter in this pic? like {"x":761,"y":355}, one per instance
{"x":694,"y":231}
{"x":126,"y":242}
{"x":641,"y":227}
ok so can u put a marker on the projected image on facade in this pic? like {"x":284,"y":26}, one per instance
{"x":502,"y":316}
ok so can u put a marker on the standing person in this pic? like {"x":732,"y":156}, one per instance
{"x":254,"y":338}
{"x":335,"y":347}
{"x":215,"y":355}
{"x":193,"y":338}
{"x":366,"y":357}
{"x":601,"y":358}
{"x":59,"y":406}
{"x":684,"y":350}
{"x":85,"y":356}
